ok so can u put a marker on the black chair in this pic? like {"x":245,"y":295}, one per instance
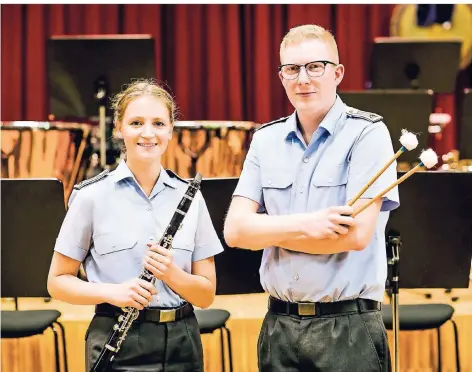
{"x":424,"y":317}
{"x":209,"y":320}
{"x":26,"y":323}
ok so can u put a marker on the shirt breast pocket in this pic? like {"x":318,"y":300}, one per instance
{"x":329,"y":183}
{"x":276,"y":188}
{"x":109,"y":243}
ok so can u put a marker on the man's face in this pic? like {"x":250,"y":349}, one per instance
{"x":311,"y":93}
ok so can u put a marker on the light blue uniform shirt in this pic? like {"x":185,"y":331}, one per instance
{"x":109,"y":223}
{"x":285,"y":176}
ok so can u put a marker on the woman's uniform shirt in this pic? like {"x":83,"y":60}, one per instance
{"x":110,"y":220}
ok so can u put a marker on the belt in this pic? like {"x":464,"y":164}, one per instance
{"x":149,"y":314}
{"x":322,"y":308}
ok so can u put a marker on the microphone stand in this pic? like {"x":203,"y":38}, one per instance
{"x":394,"y":243}
{"x":101,"y":94}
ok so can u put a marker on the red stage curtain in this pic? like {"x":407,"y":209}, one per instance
{"x":220,"y":61}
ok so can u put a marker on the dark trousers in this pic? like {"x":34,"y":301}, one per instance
{"x":350,"y":342}
{"x":149,"y":346}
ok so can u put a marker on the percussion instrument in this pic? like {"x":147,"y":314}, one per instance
{"x":213,"y":148}
{"x":34,"y":149}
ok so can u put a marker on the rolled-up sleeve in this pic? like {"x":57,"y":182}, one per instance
{"x":249,"y":184}
{"x":207,"y":243}
{"x":370,"y":153}
{"x":75,"y":235}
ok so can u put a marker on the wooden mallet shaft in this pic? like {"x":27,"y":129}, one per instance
{"x":382,"y":193}
{"x":363,"y":190}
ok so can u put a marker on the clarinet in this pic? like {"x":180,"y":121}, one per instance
{"x":120,"y":329}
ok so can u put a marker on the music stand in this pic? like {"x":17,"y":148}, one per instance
{"x":415,"y":63}
{"x":32,"y":214}
{"x":433,"y":225}
{"x":401,"y":109}
{"x":237,"y":269}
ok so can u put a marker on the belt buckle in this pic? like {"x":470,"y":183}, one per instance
{"x":306,"y":308}
{"x":167,"y":316}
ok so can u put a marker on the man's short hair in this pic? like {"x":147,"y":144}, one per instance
{"x":309,"y":32}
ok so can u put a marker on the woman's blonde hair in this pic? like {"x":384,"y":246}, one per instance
{"x":139,"y":88}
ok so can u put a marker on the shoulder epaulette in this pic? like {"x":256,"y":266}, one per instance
{"x":359,"y":114}
{"x":172,"y":174}
{"x":89,"y":181}
{"x":281,"y":120}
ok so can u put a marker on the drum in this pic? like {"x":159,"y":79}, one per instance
{"x":214,"y":148}
{"x":32,"y":149}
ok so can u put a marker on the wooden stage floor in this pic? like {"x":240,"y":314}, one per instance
{"x":417,"y":349}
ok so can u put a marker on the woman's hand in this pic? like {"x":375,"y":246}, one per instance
{"x":136,"y":293}
{"x":159,"y":261}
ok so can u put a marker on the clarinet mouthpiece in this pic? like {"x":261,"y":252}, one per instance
{"x":198,"y":178}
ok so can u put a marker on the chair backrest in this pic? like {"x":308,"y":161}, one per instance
{"x":232,"y":263}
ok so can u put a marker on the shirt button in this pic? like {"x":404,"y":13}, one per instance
{"x":330,"y":180}
{"x":269,"y":182}
{"x":148,"y":208}
{"x":301,"y":190}
{"x":305,"y":160}
{"x":296,"y":277}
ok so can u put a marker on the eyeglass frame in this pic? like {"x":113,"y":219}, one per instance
{"x":304,"y":66}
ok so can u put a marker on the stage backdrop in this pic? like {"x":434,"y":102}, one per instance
{"x":219,"y":60}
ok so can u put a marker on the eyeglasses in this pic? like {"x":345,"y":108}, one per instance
{"x":313,"y":69}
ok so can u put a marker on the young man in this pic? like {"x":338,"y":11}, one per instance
{"x":325,"y":271}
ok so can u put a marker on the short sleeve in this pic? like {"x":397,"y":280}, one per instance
{"x":370,"y":153}
{"x":249,"y":183}
{"x":75,"y":235}
{"x":207,"y":243}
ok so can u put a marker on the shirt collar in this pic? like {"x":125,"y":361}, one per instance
{"x":331,"y":118}
{"x":291,"y":125}
{"x":166,"y":179}
{"x":329,"y":121}
{"x":123,"y":172}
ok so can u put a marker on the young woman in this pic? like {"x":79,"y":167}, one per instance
{"x":112,"y":225}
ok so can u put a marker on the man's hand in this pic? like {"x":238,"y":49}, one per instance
{"x":327,"y":223}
